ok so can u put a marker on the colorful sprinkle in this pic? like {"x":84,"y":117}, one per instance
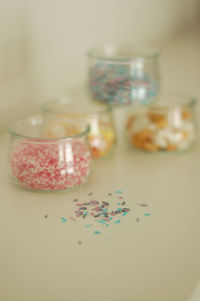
{"x":117,"y":222}
{"x":97,"y":232}
{"x":37,"y":166}
{"x":63,"y":219}
{"x":147,"y":214}
{"x":119,"y":191}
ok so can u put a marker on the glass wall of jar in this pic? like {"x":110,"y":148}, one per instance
{"x":102,"y":136}
{"x":40,"y":162}
{"x":123,"y":75}
{"x":166,"y":127}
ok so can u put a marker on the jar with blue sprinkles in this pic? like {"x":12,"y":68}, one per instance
{"x":123,"y":75}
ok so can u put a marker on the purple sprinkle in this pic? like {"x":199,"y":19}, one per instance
{"x":46,"y":216}
{"x":138,"y":219}
{"x":123,"y":203}
{"x":79,"y":242}
{"x":75,"y":200}
{"x":90,"y":193}
{"x":142,"y":204}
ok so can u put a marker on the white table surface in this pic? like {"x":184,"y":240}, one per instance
{"x":157,"y":258}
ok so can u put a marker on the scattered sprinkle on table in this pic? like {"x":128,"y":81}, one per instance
{"x":63,"y":219}
{"x":119,"y":191}
{"x":46,"y":216}
{"x":147,"y":214}
{"x":143,"y":204}
{"x":97,"y":232}
{"x":79,"y":242}
{"x":138,"y":219}
{"x":117,"y":222}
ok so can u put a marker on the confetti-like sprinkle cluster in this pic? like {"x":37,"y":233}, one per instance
{"x":45,"y":166}
{"x":101,"y":214}
{"x":119,"y":84}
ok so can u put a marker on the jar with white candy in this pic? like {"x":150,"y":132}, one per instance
{"x":166,"y":127}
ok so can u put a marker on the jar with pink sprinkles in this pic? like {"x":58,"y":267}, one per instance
{"x":41,"y":163}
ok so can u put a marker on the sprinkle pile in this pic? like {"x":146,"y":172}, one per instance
{"x":50,"y":166}
{"x":121,"y":84}
{"x":101,"y":212}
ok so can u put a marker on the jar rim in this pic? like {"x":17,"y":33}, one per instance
{"x":117,"y":53}
{"x":67,"y":100}
{"x":183,"y":100}
{"x":38,"y":120}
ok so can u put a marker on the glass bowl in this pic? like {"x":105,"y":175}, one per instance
{"x":76,"y":106}
{"x":123,"y":75}
{"x":40,"y":162}
{"x":167,"y":127}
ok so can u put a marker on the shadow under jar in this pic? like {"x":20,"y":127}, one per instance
{"x":167,"y":127}
{"x":40,"y":163}
{"x":102,"y":135}
{"x":123,"y":75}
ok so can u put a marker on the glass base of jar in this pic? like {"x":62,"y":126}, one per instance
{"x":17,"y":183}
{"x":163,"y":152}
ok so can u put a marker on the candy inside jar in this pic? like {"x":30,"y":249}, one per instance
{"x":102,"y":134}
{"x":123,"y":75}
{"x":165,"y":128}
{"x":40,"y":163}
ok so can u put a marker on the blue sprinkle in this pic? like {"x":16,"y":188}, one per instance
{"x":118,"y":204}
{"x":107,"y":225}
{"x":97,"y":232}
{"x":88,"y":226}
{"x":117,"y":222}
{"x":101,"y":221}
{"x":147,"y":214}
{"x":125,"y":213}
{"x":119,"y":209}
{"x":85,"y":213}
{"x":110,"y":218}
{"x":119,"y":191}
{"x":63,"y":219}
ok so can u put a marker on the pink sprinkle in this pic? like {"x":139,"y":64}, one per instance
{"x":41,"y":167}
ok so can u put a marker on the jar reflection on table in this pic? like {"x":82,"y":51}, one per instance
{"x":102,"y":136}
{"x":40,"y":163}
{"x":169,"y":126}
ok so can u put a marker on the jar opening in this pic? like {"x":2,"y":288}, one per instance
{"x":38,"y":128}
{"x":75,"y":105}
{"x":121,"y":53}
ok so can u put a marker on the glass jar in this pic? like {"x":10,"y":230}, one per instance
{"x":102,"y":136}
{"x":39,"y":162}
{"x":167,"y":127}
{"x":123,"y":75}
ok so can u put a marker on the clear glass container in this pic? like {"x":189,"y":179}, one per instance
{"x":40,"y":162}
{"x":168,"y":126}
{"x":123,"y":75}
{"x":102,"y":135}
